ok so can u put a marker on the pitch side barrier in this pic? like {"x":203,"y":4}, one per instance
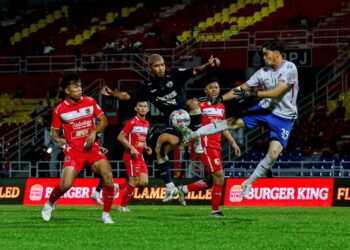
{"x":291,"y":192}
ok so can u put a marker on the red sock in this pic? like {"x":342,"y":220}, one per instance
{"x":108,"y":197}
{"x":56,"y":194}
{"x":128,"y":193}
{"x":216,"y":191}
{"x":197,"y":186}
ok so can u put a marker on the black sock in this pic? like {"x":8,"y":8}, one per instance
{"x":165,"y":173}
{"x":196,"y":122}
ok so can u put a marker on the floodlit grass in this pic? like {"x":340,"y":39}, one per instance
{"x":175,"y":227}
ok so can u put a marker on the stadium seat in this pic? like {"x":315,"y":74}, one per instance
{"x":25,"y":32}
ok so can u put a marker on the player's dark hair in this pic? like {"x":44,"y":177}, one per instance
{"x":210,"y":80}
{"x":68,"y":79}
{"x":274,"y":44}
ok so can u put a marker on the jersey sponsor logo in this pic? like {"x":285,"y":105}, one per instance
{"x":212,"y":111}
{"x":76,"y":114}
{"x":67,"y":159}
{"x":139,"y":129}
{"x":169,"y":84}
{"x":80,"y":133}
{"x":82,"y":124}
{"x":36,"y":192}
{"x":168,"y":99}
{"x":140,"y":144}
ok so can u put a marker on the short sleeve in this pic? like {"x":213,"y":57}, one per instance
{"x":290,"y":75}
{"x":128,"y":127}
{"x":255,"y":79}
{"x":97,"y":109}
{"x":56,"y":119}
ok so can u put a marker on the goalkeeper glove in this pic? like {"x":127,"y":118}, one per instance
{"x":242,"y":94}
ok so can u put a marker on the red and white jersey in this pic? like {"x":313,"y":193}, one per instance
{"x":212,"y":113}
{"x":77,"y":120}
{"x":135,"y":131}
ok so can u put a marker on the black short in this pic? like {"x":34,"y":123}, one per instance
{"x":170,"y":130}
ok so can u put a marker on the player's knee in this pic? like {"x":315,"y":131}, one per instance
{"x":107,"y":178}
{"x":273,"y":156}
{"x":219,"y":178}
{"x":143,"y":183}
{"x":64,"y":186}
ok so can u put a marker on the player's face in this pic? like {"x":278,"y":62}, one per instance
{"x":74,"y":90}
{"x":270,"y":57}
{"x":141,"y":108}
{"x":212,"y":89}
{"x":158,"y":68}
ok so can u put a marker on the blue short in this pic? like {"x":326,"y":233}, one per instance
{"x":280,"y":128}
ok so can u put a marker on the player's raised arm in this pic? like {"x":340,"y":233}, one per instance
{"x":212,"y":63}
{"x":120,"y":95}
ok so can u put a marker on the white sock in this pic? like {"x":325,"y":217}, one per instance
{"x":170,"y":185}
{"x":261,"y":170}
{"x":212,"y":128}
{"x":185,"y":189}
{"x":105,"y":213}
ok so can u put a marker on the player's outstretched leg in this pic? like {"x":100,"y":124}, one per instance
{"x":196,"y":122}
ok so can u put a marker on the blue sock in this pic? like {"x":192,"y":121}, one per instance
{"x":165,"y":173}
{"x":196,"y":122}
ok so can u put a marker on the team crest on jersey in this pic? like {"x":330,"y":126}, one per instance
{"x":87,"y":111}
{"x":217,"y":161}
{"x":137,"y":169}
{"x":67,"y":159}
{"x":169,"y":84}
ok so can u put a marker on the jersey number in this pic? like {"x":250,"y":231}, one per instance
{"x":285,"y":134}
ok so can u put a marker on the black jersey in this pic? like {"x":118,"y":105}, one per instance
{"x":167,"y":93}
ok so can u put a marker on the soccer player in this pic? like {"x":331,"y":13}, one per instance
{"x":76,"y":115}
{"x":211,"y":158}
{"x":133,"y":137}
{"x":167,"y":92}
{"x":277,"y":110}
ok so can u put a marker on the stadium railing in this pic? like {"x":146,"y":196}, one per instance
{"x":194,"y":169}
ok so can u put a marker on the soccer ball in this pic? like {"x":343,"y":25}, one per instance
{"x":179,"y":118}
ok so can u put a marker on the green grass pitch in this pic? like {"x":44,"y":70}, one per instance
{"x":175,"y":227}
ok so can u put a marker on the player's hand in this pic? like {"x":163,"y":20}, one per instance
{"x":213,"y":62}
{"x":236,"y":149}
{"x":212,"y":101}
{"x":103,"y":150}
{"x":134,"y":153}
{"x":90,"y":139}
{"x":148,"y":150}
{"x":61,"y":142}
{"x":243,"y":94}
{"x":106,"y":91}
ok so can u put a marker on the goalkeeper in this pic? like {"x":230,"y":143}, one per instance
{"x":276,"y":110}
